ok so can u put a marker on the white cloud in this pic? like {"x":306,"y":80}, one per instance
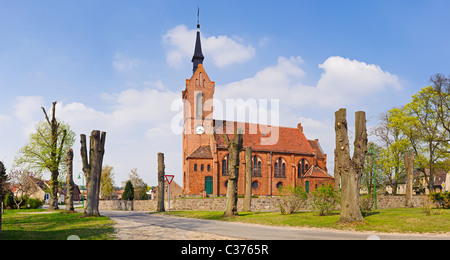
{"x":123,"y":63}
{"x":270,"y":83}
{"x":222,"y":50}
{"x":343,"y":82}
{"x":26,"y":108}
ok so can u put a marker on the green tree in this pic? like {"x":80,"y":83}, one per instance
{"x":441,"y":85}
{"x":420,"y":123}
{"x":128,"y":193}
{"x":394,"y":144}
{"x":140,"y":187}
{"x":107,"y":182}
{"x":374,"y":165}
{"x":44,"y":150}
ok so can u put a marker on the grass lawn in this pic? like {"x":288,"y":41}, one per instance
{"x":385,"y":220}
{"x":44,"y":225}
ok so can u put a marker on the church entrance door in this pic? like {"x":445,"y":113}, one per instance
{"x":209,"y":185}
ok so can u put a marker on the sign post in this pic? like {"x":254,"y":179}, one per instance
{"x":169,"y":179}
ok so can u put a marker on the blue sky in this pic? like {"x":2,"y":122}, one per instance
{"x":118,"y":65}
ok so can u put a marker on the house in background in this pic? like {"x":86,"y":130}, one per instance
{"x":62,"y":192}
{"x":176,"y":190}
{"x":440,"y":178}
{"x":32,"y":187}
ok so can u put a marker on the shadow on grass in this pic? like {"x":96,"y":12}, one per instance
{"x":83,"y":233}
{"x":54,"y":226}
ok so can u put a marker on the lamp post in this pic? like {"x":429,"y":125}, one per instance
{"x":82,"y":196}
{"x":371,"y":152}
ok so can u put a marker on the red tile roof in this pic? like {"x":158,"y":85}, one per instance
{"x":203,"y":152}
{"x":290,"y":140}
{"x":316,"y":172}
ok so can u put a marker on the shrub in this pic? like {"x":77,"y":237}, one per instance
{"x":292,"y":199}
{"x":34,"y":203}
{"x":366,"y":204}
{"x":8,"y":202}
{"x":325,"y":199}
{"x":441,"y":199}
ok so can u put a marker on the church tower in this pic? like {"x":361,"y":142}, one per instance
{"x":197,"y":109}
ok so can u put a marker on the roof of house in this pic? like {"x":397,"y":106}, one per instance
{"x":265,"y":138}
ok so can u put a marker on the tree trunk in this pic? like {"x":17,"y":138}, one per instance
{"x":248,"y":179}
{"x":234,"y":147}
{"x":54,"y":186}
{"x":409,"y":165}
{"x":55,"y":156}
{"x":350,"y":170}
{"x":92,"y":168}
{"x":161,"y":182}
{"x":70,"y":186}
{"x":337,"y":174}
{"x":2,"y":172}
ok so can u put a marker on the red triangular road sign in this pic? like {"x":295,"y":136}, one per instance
{"x":169,"y":178}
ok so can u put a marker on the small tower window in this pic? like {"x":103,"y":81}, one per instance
{"x":199,"y":105}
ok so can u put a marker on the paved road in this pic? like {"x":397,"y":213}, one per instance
{"x":142,"y":225}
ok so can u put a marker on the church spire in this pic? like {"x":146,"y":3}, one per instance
{"x":198,"y":54}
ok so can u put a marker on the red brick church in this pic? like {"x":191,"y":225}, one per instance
{"x":291,"y":160}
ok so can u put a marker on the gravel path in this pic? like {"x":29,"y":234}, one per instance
{"x":143,"y":226}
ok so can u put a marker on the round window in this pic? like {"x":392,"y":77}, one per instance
{"x":279,"y":185}
{"x":255,"y":185}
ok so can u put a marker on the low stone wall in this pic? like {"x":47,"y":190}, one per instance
{"x":269,"y":204}
{"x":398,"y":201}
{"x":201,"y":204}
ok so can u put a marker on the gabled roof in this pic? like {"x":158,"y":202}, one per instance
{"x":316,"y":146}
{"x":316,"y":172}
{"x":289,"y":140}
{"x":203,"y":152}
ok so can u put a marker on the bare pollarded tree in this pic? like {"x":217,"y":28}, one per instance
{"x":92,"y":168}
{"x":350,"y":170}
{"x":234,"y":147}
{"x":70,"y":185}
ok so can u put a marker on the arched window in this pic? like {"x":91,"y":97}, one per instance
{"x":225,"y":165}
{"x":199,"y":105}
{"x":280,"y":168}
{"x":302,"y":168}
{"x":256,"y":166}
